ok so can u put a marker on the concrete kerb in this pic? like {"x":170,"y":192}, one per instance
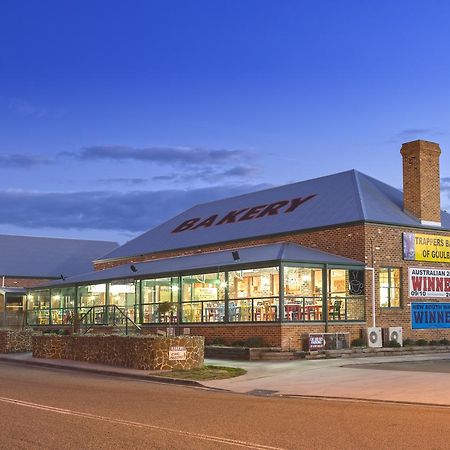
{"x":95,"y":369}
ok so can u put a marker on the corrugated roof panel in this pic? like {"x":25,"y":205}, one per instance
{"x":336,"y":199}
{"x":49,"y":257}
{"x":212,"y":261}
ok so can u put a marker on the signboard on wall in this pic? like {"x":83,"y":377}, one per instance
{"x":429,"y":283}
{"x":426,"y":247}
{"x":430,"y":315}
{"x":177,"y":353}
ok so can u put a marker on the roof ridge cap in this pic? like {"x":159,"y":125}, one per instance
{"x":359,"y":193}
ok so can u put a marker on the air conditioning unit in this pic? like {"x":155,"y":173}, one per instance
{"x":393,"y":334}
{"x":374,"y":337}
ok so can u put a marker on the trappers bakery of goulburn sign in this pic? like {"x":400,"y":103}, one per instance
{"x":429,"y":283}
{"x":243,"y":214}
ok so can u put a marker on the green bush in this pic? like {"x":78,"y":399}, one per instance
{"x":255,"y":341}
{"x":358,"y":342}
{"x":217,"y":341}
{"x":444,"y":342}
{"x":409,"y":342}
{"x":238,"y":344}
{"x":393,"y":344}
{"x":434,"y":342}
{"x":422,"y":342}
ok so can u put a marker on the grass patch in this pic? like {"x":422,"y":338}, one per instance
{"x":206,"y":373}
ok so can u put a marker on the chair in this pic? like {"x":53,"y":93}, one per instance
{"x":334,"y":313}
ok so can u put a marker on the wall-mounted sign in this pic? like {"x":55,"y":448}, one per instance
{"x":356,"y":282}
{"x":426,"y":247}
{"x":316,"y":341}
{"x":430,"y":315}
{"x":177,"y":354}
{"x":429,"y":283}
{"x":243,"y":214}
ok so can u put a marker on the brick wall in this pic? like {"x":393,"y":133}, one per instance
{"x":24,"y":282}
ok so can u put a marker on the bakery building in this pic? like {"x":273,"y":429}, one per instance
{"x":339,"y":254}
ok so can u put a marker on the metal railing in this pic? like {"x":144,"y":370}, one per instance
{"x":111,"y":315}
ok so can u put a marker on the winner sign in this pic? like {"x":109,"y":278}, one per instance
{"x":429,"y":283}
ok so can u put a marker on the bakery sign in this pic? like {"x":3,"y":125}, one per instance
{"x":429,"y":283}
{"x":243,"y":214}
{"x":426,"y":247}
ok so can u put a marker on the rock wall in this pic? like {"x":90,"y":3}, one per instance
{"x":136,"y":352}
{"x":15,"y":341}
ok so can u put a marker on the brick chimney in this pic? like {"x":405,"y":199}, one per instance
{"x":421,"y":181}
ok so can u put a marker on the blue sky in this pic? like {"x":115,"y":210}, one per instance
{"x":117,"y":115}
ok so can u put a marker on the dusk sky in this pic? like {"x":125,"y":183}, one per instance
{"x":117,"y":115}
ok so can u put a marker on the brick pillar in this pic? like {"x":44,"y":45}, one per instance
{"x":421,"y":181}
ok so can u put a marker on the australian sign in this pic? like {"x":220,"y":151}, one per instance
{"x":429,"y":283}
{"x":243,"y":214}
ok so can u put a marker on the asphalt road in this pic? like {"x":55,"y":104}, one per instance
{"x":55,"y":409}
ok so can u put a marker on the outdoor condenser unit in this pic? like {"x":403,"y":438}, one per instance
{"x":374,"y":337}
{"x":393,"y":334}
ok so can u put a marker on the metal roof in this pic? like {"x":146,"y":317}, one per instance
{"x":12,"y":290}
{"x":213,"y":261}
{"x":41,"y":257}
{"x":332,"y":200}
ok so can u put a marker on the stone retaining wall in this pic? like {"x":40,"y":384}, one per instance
{"x":136,"y":352}
{"x":15,"y":341}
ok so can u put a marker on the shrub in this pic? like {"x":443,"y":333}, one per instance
{"x":408,"y":342}
{"x":393,"y":344}
{"x":217,"y":341}
{"x":434,"y":342}
{"x":255,"y":341}
{"x":422,"y":342}
{"x":238,"y":344}
{"x":444,"y":342}
{"x":358,"y":342}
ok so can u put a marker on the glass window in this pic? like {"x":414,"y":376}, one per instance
{"x":389,"y":287}
{"x":302,"y":282}
{"x":63,"y":304}
{"x":254,"y":283}
{"x":92,"y":295}
{"x":156,"y":292}
{"x":203,"y":297}
{"x":209,"y":286}
{"x":38,"y":306}
{"x":122,"y":293}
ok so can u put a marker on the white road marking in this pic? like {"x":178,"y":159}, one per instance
{"x":85,"y":415}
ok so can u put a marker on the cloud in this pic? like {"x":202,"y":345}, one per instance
{"x":415,"y":133}
{"x":162,"y":155}
{"x":125,"y":181}
{"x":26,"y":109}
{"x":134,"y":211}
{"x":22,"y":161}
{"x":211,"y":174}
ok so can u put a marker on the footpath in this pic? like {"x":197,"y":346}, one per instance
{"x":418,"y":379}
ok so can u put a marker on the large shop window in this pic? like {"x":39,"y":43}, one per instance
{"x":389,"y":287}
{"x":38,"y":307}
{"x":157,"y":292}
{"x":203,"y":297}
{"x":122,"y":293}
{"x":253,"y":295}
{"x":92,"y":304}
{"x":303,"y":293}
{"x":345,"y":294}
{"x":62,"y":306}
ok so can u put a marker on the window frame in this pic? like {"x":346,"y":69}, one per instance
{"x":390,"y":286}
